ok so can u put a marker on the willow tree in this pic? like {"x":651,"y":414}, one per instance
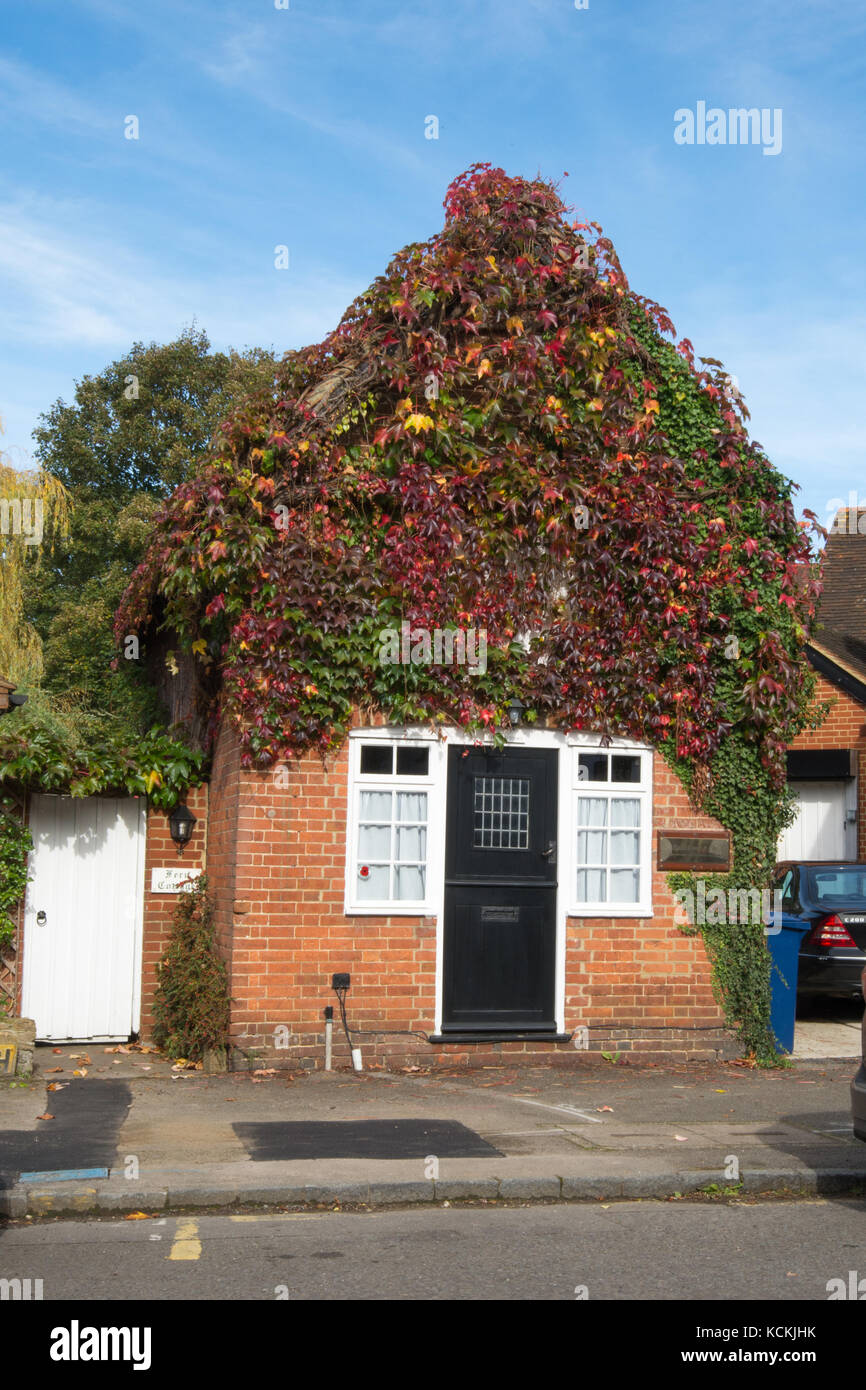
{"x":34,"y":505}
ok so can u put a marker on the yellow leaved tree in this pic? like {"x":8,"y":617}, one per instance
{"x":34,"y":514}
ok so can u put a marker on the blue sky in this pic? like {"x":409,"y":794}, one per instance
{"x":305,"y":126}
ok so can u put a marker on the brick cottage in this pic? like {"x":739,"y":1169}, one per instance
{"x":486,"y":903}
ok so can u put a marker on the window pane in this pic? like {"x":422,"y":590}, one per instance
{"x":374,"y":842}
{"x":412,"y":762}
{"x":375,"y":806}
{"x":592,"y":810}
{"x":501,"y":809}
{"x":624,"y":812}
{"x":411,"y":806}
{"x":592,"y":767}
{"x":624,"y":885}
{"x":624,"y":847}
{"x":625,"y":768}
{"x":590,"y":885}
{"x":376,"y":887}
{"x":592,"y":846}
{"x":377,"y":757}
{"x":409,"y":883}
{"x":411,"y":842}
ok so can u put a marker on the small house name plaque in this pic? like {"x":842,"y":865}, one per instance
{"x":708,"y":851}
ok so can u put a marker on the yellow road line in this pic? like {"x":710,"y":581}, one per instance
{"x":186,"y":1244}
{"x":282,"y":1216}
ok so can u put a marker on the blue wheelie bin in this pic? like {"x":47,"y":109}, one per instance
{"x":784,"y":946}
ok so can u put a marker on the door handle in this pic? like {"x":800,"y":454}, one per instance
{"x":550,"y":852}
{"x":41,"y":919}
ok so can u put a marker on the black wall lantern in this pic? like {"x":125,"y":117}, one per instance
{"x":515,"y":711}
{"x":182,"y":823}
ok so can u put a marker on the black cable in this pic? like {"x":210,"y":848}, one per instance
{"x":374,"y":1032}
{"x":341,"y":999}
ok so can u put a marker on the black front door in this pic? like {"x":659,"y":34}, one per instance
{"x":500,"y":891}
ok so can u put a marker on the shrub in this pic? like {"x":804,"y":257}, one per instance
{"x":191,"y":1004}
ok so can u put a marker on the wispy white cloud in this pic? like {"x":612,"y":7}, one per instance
{"x":251,"y":58}
{"x":62,"y":280}
{"x":29,"y":94}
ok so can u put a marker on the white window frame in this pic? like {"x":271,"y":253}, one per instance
{"x":633,"y":791}
{"x":432,"y":785}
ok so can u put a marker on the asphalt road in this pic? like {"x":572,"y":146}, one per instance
{"x":629,"y":1251}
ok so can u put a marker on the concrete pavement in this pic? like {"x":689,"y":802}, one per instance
{"x":595,"y":1131}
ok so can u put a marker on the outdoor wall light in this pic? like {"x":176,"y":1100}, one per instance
{"x":515,"y":711}
{"x":181,"y":823}
{"x":15,"y":702}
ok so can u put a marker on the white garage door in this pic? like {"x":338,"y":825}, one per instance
{"x":83,"y":915}
{"x":822,"y":829}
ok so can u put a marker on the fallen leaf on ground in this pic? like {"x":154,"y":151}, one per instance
{"x":56,"y":1085}
{"x":52,"y":1069}
{"x":265,"y":1071}
{"x":681,"y":1138}
{"x":57,"y":1050}
{"x":136,"y":1216}
{"x":46,"y":1116}
{"x":599,"y":1108}
{"x":80,"y":1071}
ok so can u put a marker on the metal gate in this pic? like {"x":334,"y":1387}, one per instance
{"x":83,"y":917}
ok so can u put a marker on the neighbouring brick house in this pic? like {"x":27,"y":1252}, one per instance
{"x":827,"y":765}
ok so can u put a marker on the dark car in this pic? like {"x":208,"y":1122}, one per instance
{"x":829,"y":899}
{"x":858,"y":1086}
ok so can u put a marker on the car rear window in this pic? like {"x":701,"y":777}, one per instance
{"x":837,"y":885}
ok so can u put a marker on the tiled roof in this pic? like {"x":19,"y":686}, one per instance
{"x":841,"y":629}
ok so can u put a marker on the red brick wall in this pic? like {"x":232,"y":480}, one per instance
{"x":843,"y":727}
{"x":161,"y":852}
{"x":276,"y":858}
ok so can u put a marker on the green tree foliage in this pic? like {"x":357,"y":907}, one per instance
{"x":131,"y":434}
{"x":56,"y":747}
{"x":15,"y":845}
